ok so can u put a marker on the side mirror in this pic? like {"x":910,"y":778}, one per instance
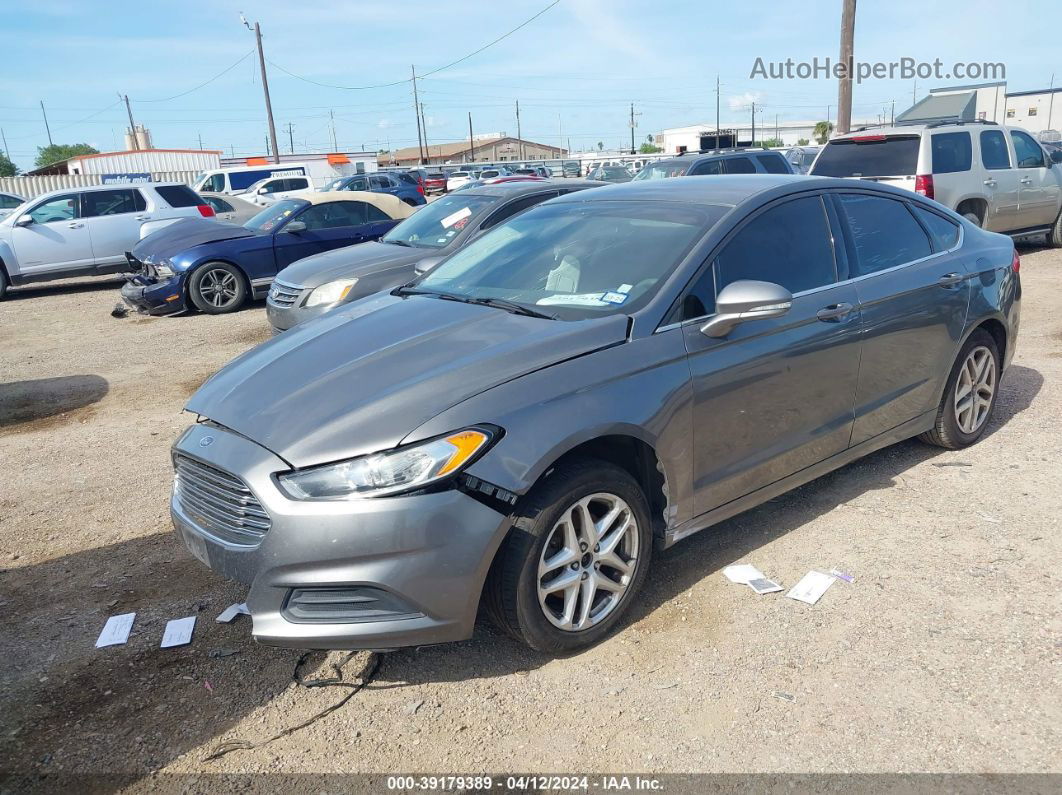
{"x":295,"y":227}
{"x":24,"y":220}
{"x":1056,"y":155}
{"x":262,"y":191}
{"x":746,"y":300}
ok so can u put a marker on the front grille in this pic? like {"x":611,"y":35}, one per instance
{"x":284,"y":295}
{"x":220,"y":504}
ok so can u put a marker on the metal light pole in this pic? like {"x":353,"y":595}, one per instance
{"x":844,"y":90}
{"x":471,"y":145}
{"x":265,"y":87}
{"x":47,"y":129}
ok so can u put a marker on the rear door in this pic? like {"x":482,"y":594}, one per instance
{"x":58,"y":239}
{"x":955,"y":175}
{"x":892,"y":159}
{"x":1040,"y":192}
{"x":739,"y":165}
{"x":775,"y":395}
{"x":914,"y":292}
{"x":113,"y":218}
{"x":1000,"y":180}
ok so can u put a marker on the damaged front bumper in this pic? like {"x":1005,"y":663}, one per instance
{"x":148,"y":293}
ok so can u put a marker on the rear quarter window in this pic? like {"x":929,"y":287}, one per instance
{"x":773,"y":164}
{"x":739,"y":165}
{"x":952,"y":152}
{"x":943,"y":233}
{"x":178,"y":195}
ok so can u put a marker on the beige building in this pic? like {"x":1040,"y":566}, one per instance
{"x":484,"y":150}
{"x":1036,"y":111}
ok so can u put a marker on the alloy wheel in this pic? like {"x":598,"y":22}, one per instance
{"x":975,"y":389}
{"x":218,"y":287}
{"x":588,"y":562}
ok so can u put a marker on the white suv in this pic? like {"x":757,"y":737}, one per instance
{"x":999,"y":177}
{"x":86,"y":231}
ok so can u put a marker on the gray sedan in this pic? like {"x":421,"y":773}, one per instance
{"x":598,"y":377}
{"x":312,"y":286}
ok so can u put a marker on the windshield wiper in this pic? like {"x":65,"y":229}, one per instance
{"x":396,"y":242}
{"x":510,"y":306}
{"x":408,"y":289}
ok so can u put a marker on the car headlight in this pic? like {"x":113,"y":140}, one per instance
{"x":163,"y":269}
{"x":331,"y":293}
{"x":386,"y":473}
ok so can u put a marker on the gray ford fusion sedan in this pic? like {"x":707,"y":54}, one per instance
{"x":593,"y":379}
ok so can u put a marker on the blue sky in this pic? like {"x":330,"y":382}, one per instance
{"x":575,"y":70}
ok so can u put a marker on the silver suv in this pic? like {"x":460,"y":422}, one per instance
{"x":1000,"y":178}
{"x":86,"y":231}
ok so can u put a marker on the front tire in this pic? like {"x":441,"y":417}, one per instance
{"x":1054,"y":237}
{"x":3,"y":284}
{"x":217,"y":288}
{"x":969,"y":396}
{"x":575,"y":560}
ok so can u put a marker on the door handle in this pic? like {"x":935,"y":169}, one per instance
{"x":1026,"y":181}
{"x":142,"y":217}
{"x":950,"y":279}
{"x":75,"y":225}
{"x":834,"y":312}
{"x":990,"y":183}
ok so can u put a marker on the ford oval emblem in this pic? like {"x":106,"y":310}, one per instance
{"x":206,"y":441}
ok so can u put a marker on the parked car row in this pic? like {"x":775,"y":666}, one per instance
{"x":589,"y":373}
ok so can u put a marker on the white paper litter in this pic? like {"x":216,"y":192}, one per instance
{"x":811,"y":587}
{"x":228,"y":615}
{"x":116,"y":630}
{"x":741,"y":573}
{"x":178,"y":632}
{"x":763,"y":585}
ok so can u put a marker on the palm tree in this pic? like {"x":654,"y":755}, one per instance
{"x":600,"y":146}
{"x":823,"y":131}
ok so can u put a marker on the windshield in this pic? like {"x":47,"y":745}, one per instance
{"x":436,"y":224}
{"x":335,"y":184}
{"x":875,"y":156}
{"x":274,"y":215}
{"x":615,"y":171}
{"x":673,"y":168}
{"x":575,"y":261}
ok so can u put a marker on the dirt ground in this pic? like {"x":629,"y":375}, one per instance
{"x":944,"y":654}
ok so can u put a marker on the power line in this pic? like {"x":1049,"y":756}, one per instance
{"x":523,"y":24}
{"x":243,"y":58}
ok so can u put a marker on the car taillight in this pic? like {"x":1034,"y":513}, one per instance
{"x":924,"y":185}
{"x":420,"y":189}
{"x":205,"y":210}
{"x":1015,"y":264}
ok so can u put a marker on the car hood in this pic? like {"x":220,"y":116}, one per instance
{"x":359,"y":260}
{"x":184,"y":234}
{"x":360,"y":378}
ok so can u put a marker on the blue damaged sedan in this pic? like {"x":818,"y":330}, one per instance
{"x":216,"y":267}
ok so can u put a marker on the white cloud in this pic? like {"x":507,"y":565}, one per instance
{"x":383,"y":124}
{"x":742,"y":101}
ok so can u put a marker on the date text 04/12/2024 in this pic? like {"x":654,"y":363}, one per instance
{"x":577,"y":783}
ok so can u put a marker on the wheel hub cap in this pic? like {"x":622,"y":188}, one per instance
{"x":588,"y":562}
{"x":975,"y":389}
{"x":218,"y":287}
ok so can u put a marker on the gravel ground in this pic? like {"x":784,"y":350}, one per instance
{"x":942,"y":656}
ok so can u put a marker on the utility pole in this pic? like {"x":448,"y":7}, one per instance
{"x":892,"y":118}
{"x":132,"y":127}
{"x":914,"y":93}
{"x":424,"y":124}
{"x":471,"y":145}
{"x":844,"y":90}
{"x":519,"y":135}
{"x":265,"y":89}
{"x":416,"y":112}
{"x":717,"y":111}
{"x":7,"y":152}
{"x":753,"y":123}
{"x":291,"y":138}
{"x":46,"y":127}
{"x":1050,"y":104}
{"x":776,"y":127}
{"x":200,"y":142}
{"x":632,"y":129}
{"x":332,"y":116}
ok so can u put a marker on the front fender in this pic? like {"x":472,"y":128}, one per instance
{"x":639,"y":389}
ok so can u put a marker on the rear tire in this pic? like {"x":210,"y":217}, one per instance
{"x":3,"y":283}
{"x":217,"y":288}
{"x":975,"y":378}
{"x":602,"y":560}
{"x":1054,"y":237}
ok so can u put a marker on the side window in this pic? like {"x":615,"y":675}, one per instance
{"x":215,"y":183}
{"x":789,"y":244}
{"x":942,"y":232}
{"x":298,"y":183}
{"x":699,"y":300}
{"x":361,"y":183}
{"x":58,"y":208}
{"x":740,"y":165}
{"x":9,"y":202}
{"x":994,"y":152}
{"x":219,"y":205}
{"x":334,"y":214}
{"x":951,"y":152}
{"x":514,"y":207}
{"x":110,"y":202}
{"x":884,"y":233}
{"x":374,"y":213}
{"x":379,"y":182}
{"x":773,"y":164}
{"x":1026,"y":150}
{"x":707,"y":167}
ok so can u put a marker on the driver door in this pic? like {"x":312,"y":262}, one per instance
{"x":56,"y":240}
{"x":329,"y":225}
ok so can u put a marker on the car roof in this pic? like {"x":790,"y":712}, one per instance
{"x":506,"y":189}
{"x":94,"y":188}
{"x":720,"y":190}
{"x":918,"y":129}
{"x":392,"y":205}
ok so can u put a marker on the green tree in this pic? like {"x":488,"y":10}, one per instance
{"x":7,"y":168}
{"x":771,"y":143}
{"x":822,"y":132}
{"x":648,"y":149}
{"x":54,"y":153}
{"x":802,"y":141}
{"x":600,"y":146}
